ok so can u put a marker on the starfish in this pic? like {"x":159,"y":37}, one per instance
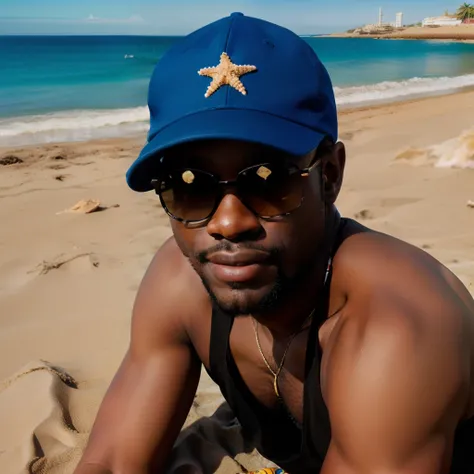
{"x":226,"y":73}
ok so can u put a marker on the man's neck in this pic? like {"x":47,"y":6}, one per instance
{"x":293,"y":311}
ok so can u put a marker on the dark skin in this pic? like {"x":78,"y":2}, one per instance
{"x":397,"y":344}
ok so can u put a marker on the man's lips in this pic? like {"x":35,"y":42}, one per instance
{"x":240,"y":258}
{"x":240,"y":266}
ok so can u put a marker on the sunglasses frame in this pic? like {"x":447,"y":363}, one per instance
{"x":305,"y":172}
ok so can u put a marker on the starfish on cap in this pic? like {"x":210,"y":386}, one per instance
{"x":226,"y":73}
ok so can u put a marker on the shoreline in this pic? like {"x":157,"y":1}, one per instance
{"x":403,"y":100}
{"x":138,"y":138}
{"x":447,"y":38}
{"x":458,"y":34}
{"x":468,"y":92}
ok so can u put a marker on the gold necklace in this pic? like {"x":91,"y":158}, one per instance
{"x":280,"y":366}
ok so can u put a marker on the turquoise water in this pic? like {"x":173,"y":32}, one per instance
{"x":81,"y":87}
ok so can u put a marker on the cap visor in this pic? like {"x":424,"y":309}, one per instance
{"x":218,"y":124}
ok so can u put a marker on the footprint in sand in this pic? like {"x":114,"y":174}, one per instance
{"x":351,"y":134}
{"x":57,"y":157}
{"x":346,"y":136}
{"x":57,"y":167}
{"x":363,"y":214}
{"x":398,"y":202}
{"x":10,"y":160}
{"x":383,"y":207}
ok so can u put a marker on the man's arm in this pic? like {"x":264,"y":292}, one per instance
{"x":395,"y":386}
{"x":151,"y":394}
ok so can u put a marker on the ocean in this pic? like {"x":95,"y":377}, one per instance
{"x":69,"y":88}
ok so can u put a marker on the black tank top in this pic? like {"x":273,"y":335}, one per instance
{"x":298,"y":449}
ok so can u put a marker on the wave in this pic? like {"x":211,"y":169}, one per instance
{"x":79,"y":125}
{"x":73,"y":125}
{"x":393,"y":90}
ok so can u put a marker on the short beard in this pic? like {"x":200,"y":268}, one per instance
{"x":281,"y":290}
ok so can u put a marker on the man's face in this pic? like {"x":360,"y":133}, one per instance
{"x":248,"y":263}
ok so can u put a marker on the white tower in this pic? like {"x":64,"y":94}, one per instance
{"x":399,"y":20}
{"x":380,"y":16}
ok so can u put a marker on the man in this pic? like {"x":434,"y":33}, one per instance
{"x":339,"y":349}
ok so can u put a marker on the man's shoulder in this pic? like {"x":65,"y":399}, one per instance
{"x":389,"y":281}
{"x":402,"y":345}
{"x":366,"y":246}
{"x":380,"y":261}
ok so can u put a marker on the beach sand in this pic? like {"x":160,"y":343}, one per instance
{"x":463,"y":32}
{"x":68,"y":279}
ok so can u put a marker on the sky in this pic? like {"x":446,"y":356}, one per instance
{"x":178,"y":17}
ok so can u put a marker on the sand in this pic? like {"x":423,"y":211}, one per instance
{"x":68,"y":279}
{"x":463,"y":32}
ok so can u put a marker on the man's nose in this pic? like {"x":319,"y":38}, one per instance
{"x":234,"y":221}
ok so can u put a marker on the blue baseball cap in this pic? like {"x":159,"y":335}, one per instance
{"x":238,"y":78}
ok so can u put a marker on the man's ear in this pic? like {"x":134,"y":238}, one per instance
{"x":333,"y":172}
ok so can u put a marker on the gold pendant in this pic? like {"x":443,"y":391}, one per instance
{"x":275,"y":387}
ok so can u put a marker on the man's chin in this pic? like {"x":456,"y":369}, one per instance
{"x":240,"y":300}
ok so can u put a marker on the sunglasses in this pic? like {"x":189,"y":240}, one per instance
{"x":269,"y":190}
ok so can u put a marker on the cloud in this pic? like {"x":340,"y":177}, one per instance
{"x":116,"y":21}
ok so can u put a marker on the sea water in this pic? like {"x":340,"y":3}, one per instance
{"x":80,"y":87}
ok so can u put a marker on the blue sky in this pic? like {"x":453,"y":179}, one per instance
{"x":176,"y":17}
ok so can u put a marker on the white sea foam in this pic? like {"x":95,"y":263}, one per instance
{"x":73,"y":125}
{"x":78,"y":125}
{"x":391,"y":90}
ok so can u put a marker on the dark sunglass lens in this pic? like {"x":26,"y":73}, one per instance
{"x":189,"y":195}
{"x":271,"y":190}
